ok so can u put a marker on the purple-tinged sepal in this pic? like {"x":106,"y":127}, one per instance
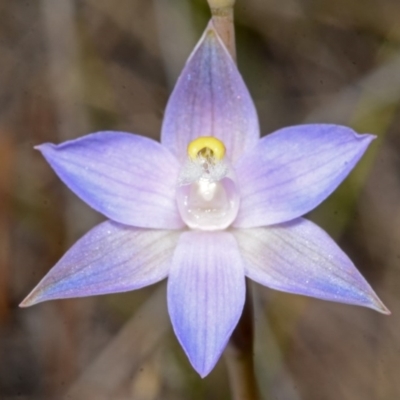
{"x":293,"y":170}
{"x":206,"y":292}
{"x":210,"y":99}
{"x":129,"y":178}
{"x":110,"y":258}
{"x":299,"y":257}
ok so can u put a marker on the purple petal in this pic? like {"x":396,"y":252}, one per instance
{"x":129,"y":178}
{"x":299,"y":257}
{"x":293,"y":170}
{"x":206,"y":291}
{"x":110,"y":258}
{"x":210,"y":99}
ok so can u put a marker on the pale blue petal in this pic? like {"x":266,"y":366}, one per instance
{"x":206,"y":292}
{"x":129,"y":178}
{"x":293,"y":170}
{"x":299,"y":257}
{"x":110,"y":258}
{"x":210,"y":99}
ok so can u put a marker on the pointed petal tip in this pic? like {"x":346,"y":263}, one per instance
{"x":203,"y":374}
{"x":380,"y":307}
{"x":24,"y":304}
{"x":377,"y":304}
{"x":44,"y":147}
{"x":203,"y":368}
{"x":211,"y":33}
{"x":36,"y":296}
{"x":367,"y":137}
{"x":29,"y":301}
{"x":39,"y":147}
{"x":385,"y":311}
{"x":199,"y":367}
{"x":373,"y":302}
{"x":210,"y":26}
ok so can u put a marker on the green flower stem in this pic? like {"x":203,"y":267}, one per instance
{"x":239,"y":355}
{"x":222,"y":16}
{"x":239,"y":352}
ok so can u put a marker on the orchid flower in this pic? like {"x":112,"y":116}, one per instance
{"x":210,"y":205}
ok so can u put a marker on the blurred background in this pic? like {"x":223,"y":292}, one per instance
{"x":68,"y":68}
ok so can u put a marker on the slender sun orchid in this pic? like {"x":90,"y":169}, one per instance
{"x":210,"y":205}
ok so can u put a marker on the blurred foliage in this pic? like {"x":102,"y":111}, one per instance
{"x":72,"y":67}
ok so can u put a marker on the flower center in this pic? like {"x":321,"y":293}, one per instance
{"x":207,"y":196}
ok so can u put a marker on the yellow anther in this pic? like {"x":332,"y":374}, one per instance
{"x":207,"y":147}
